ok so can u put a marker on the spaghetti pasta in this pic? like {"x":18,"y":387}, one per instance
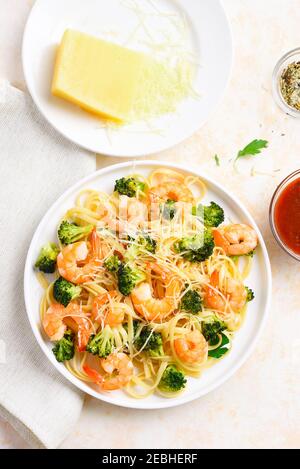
{"x":154,"y":293}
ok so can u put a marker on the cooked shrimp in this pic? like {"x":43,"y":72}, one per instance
{"x":57,"y":318}
{"x":103,"y":309}
{"x":132,"y":213}
{"x":134,"y":209}
{"x":171,"y":191}
{"x":236,"y":240}
{"x":192,"y":348}
{"x":78,"y":324}
{"x":118,"y":368}
{"x":71,"y":256}
{"x":156,"y":309}
{"x":53,"y":322}
{"x":234,"y":295}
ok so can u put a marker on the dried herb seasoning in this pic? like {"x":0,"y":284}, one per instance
{"x":290,"y":85}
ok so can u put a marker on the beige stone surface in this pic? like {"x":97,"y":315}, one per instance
{"x":259,"y":407}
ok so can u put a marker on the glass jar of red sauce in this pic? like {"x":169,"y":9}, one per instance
{"x":285,"y":215}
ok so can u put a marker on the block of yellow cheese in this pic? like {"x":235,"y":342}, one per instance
{"x":98,"y":76}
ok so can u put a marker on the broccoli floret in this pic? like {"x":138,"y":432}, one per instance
{"x":213,"y":215}
{"x":112,"y":264}
{"x":46,"y":261}
{"x":172,"y":380}
{"x":64,"y":291}
{"x":250,"y":294}
{"x":128,"y":278}
{"x":147,"y":244}
{"x":153,"y":341}
{"x":168,"y":209}
{"x":102,"y":344}
{"x":129,"y":186}
{"x":191,"y":302}
{"x":64,"y":349}
{"x":211,"y":331}
{"x":139,"y":246}
{"x":197,"y":248}
{"x":69,"y":233}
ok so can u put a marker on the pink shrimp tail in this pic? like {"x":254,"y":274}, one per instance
{"x":96,"y":377}
{"x":95,"y":244}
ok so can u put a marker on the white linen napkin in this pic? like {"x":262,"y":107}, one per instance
{"x":36,"y":166}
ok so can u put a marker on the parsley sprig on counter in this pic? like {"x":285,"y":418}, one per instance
{"x":254,"y":148}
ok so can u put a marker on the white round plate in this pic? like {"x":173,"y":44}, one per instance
{"x":209,"y":39}
{"x":259,"y":280}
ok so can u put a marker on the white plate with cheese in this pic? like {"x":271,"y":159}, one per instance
{"x":192,"y":37}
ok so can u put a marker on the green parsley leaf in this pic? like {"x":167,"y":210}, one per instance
{"x":254,"y":148}
{"x":220,"y":351}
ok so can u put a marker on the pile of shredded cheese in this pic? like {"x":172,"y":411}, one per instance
{"x":168,"y":74}
{"x":161,"y":88}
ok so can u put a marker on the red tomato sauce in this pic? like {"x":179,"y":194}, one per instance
{"x":287,"y":216}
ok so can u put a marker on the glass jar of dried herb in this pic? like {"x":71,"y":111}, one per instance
{"x":286,"y":83}
{"x":290,"y":85}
